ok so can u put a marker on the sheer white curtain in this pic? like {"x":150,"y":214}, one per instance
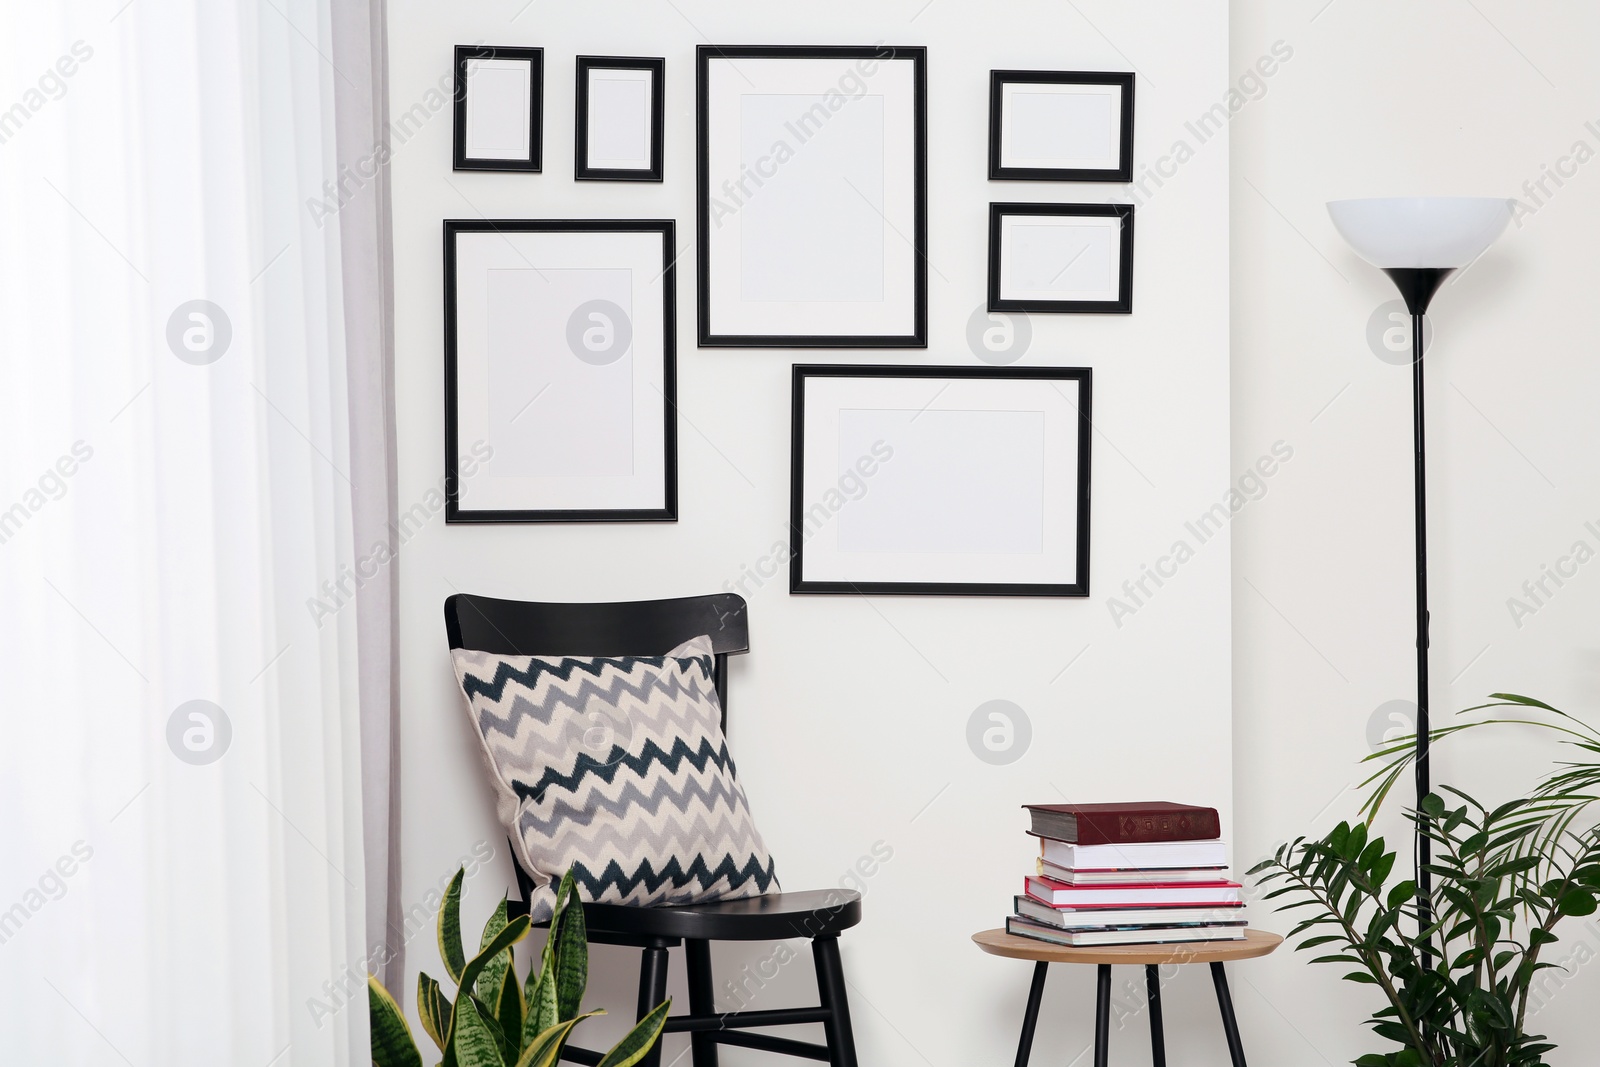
{"x":181,"y":869}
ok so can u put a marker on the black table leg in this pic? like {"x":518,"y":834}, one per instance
{"x":1158,"y":1037}
{"x":1230,"y":1026}
{"x":1030,"y":1018}
{"x":1102,"y":1016}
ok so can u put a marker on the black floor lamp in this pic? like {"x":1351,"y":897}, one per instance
{"x":1419,"y":241}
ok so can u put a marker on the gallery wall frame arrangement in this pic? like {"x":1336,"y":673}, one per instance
{"x":499,"y":108}
{"x":1065,"y":258}
{"x":560,"y":370}
{"x":812,"y":225}
{"x":1060,"y":126}
{"x":940,"y":481}
{"x":621,"y":113}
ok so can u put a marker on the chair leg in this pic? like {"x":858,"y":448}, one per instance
{"x":1102,"y":1015}
{"x":1158,"y":1037}
{"x":1030,"y":1018}
{"x":831,"y":991}
{"x":652,"y":991}
{"x":1230,"y":1026}
{"x":702,"y":999}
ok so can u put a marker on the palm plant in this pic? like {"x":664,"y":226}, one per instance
{"x":494,"y":1022}
{"x":1456,"y":993}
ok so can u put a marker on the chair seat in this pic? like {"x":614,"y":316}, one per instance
{"x":774,"y":917}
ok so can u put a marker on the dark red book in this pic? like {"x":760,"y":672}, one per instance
{"x":1118,"y":824}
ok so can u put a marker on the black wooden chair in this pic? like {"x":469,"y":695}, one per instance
{"x":650,"y":628}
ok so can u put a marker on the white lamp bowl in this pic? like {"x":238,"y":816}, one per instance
{"x":1421,"y":231}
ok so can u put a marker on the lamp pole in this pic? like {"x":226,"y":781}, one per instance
{"x":1417,"y":286}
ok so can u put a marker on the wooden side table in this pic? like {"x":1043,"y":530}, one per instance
{"x":1153,"y":957}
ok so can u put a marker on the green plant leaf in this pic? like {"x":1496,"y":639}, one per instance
{"x":540,"y":1009}
{"x":1576,"y":902}
{"x":433,"y":1008}
{"x":1402,"y":893}
{"x":634,"y":1047}
{"x":392,"y":1044}
{"x":450,"y":950}
{"x":545,"y":1048}
{"x":508,"y":1012}
{"x":572,"y":951}
{"x":514,"y":931}
{"x":494,"y":972}
{"x":473,"y":1039}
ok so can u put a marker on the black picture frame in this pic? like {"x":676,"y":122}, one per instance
{"x":998,"y":79}
{"x":1122,"y":305}
{"x":667,"y":228}
{"x":459,"y":160}
{"x":658,"y":80}
{"x":799,"y":584}
{"x":707,"y":337}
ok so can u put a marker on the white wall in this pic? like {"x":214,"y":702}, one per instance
{"x":1383,"y":98}
{"x":849,"y":716}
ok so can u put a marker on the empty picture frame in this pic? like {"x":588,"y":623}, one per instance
{"x":949,"y":481}
{"x":1073,"y":258}
{"x":499,"y":108}
{"x":1060,"y":126}
{"x":621,"y":108}
{"x":560,"y":370}
{"x":813,"y":222}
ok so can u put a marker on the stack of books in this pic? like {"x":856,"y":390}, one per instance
{"x":1124,"y":874}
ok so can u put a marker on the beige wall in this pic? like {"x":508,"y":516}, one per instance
{"x":1474,"y":97}
{"x":850,"y":716}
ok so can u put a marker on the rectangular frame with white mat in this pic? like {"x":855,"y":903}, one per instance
{"x":1060,"y":126}
{"x":1063,"y":258}
{"x":812,"y":181}
{"x":945,"y":481}
{"x":499,"y":109}
{"x":621,"y":108}
{"x":560,"y":370}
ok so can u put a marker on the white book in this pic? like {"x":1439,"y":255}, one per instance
{"x":1150,"y":935}
{"x":1147,"y":876}
{"x":1141,"y":856}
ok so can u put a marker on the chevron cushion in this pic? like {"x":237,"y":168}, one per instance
{"x":616,"y":767}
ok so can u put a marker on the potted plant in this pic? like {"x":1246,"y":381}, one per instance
{"x":1455,"y":994}
{"x":494,"y":1021}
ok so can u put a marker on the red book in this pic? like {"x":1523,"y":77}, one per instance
{"x":1116,"y":824}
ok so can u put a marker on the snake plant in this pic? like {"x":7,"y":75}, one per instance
{"x":494,"y":1021}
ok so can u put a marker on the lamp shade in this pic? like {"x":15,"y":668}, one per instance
{"x":1421,"y":231}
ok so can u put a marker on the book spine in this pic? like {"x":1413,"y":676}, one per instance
{"x":1105,"y":828}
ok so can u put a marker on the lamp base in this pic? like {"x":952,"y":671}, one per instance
{"x":1418,"y":284}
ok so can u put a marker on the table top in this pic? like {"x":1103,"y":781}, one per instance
{"x":1255,"y":943}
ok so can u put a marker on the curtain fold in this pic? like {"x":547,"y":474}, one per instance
{"x":192,"y":459}
{"x":361,"y":148}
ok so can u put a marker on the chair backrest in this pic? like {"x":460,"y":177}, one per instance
{"x":627,"y":628}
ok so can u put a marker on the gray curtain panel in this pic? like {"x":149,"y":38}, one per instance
{"x":361,"y":112}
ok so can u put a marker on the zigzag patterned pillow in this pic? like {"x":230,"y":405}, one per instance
{"x":617,"y":767}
